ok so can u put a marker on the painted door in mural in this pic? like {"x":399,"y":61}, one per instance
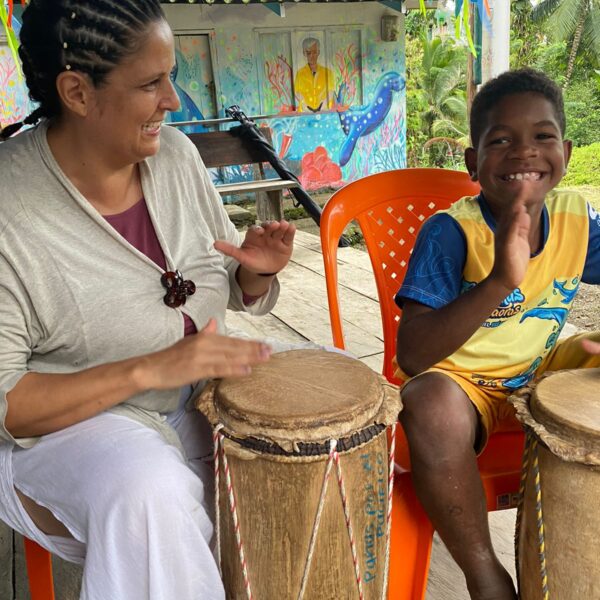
{"x":275,"y":65}
{"x":345,"y":57}
{"x":193,"y":79}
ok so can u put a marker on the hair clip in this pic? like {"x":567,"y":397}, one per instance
{"x":65,"y":45}
{"x":67,"y":67}
{"x":73,"y":15}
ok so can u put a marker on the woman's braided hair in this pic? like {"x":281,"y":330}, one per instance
{"x":89,"y":36}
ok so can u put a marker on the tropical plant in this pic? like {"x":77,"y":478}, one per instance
{"x":526,"y":35}
{"x":442,"y":84}
{"x":582,"y":109}
{"x":576,"y":22}
{"x":584,"y":167}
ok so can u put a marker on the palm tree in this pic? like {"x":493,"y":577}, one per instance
{"x":442,"y":84}
{"x":576,"y":22}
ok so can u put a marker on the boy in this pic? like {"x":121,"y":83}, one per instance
{"x":487,"y":292}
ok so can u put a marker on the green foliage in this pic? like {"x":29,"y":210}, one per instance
{"x":576,"y":22}
{"x":526,"y":35}
{"x":582,"y":108}
{"x":437,"y":125}
{"x":354,"y":235}
{"x":436,"y":76}
{"x":551,"y":58}
{"x":584,"y":167}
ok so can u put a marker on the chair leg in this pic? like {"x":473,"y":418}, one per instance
{"x":39,"y":571}
{"x":410,"y":548}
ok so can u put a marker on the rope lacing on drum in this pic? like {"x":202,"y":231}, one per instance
{"x":317,"y":522}
{"x":219,"y":438}
{"x":217,"y":508}
{"x":531,"y":450}
{"x":333,"y":457}
{"x":388,"y":535}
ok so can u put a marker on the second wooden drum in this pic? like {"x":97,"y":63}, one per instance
{"x":558,"y":524}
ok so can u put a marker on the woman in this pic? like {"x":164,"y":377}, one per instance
{"x":113,"y":242}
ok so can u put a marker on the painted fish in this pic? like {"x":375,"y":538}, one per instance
{"x":360,"y":122}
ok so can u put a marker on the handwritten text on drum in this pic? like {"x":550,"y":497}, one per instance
{"x":375,"y":498}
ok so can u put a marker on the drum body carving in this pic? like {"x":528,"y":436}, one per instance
{"x":558,"y":525}
{"x":276,"y":428}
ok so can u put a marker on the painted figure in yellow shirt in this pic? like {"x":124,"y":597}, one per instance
{"x":313,"y":83}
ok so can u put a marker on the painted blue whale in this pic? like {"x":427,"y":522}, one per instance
{"x":514,"y":383}
{"x":360,"y":122}
{"x":567,"y":294}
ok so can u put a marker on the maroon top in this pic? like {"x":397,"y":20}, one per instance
{"x":136,"y":227}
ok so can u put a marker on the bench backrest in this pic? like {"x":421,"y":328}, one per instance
{"x":223,"y":149}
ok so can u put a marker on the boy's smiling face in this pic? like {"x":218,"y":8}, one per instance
{"x":521,"y":141}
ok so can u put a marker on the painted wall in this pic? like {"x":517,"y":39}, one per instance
{"x":256,"y":55}
{"x":248,"y":55}
{"x":14,"y":101}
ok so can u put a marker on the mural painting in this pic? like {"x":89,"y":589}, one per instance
{"x":352,"y":126}
{"x":362,"y":131}
{"x":193,"y":81}
{"x":14,"y":101}
{"x":356,"y":125}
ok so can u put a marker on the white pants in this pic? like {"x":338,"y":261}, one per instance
{"x":139,"y":511}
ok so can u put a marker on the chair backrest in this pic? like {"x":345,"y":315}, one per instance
{"x":389,"y":208}
{"x":223,"y":149}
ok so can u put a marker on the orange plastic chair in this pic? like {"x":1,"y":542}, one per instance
{"x":39,"y":571}
{"x":389,"y":209}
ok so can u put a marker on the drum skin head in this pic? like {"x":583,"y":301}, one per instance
{"x":302,"y":395}
{"x":567,"y":403}
{"x":563,"y":411}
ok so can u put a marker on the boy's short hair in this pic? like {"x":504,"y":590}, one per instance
{"x":519,"y":81}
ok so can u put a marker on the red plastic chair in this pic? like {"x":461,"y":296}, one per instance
{"x":389,"y":209}
{"x":39,"y":571}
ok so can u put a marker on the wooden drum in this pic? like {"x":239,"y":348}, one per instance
{"x":558,"y":524}
{"x":302,"y":469}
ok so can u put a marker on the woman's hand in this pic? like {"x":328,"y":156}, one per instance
{"x":267,"y":248}
{"x":203,"y":355}
{"x":591,"y":347}
{"x":83,"y":394}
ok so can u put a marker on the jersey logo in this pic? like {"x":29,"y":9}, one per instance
{"x":512,"y":305}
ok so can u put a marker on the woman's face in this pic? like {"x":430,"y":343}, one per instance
{"x":130,"y":107}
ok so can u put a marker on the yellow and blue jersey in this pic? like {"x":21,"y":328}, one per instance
{"x":455,"y":251}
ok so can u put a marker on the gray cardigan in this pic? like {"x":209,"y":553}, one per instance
{"x":75,"y":294}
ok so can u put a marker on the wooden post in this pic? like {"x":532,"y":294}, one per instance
{"x":496,"y":44}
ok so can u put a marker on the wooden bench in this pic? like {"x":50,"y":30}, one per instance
{"x":223,"y":149}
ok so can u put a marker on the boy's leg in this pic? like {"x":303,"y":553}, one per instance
{"x":441,"y":425}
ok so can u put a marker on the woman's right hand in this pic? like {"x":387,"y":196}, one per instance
{"x":203,"y":355}
{"x":41,"y":403}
